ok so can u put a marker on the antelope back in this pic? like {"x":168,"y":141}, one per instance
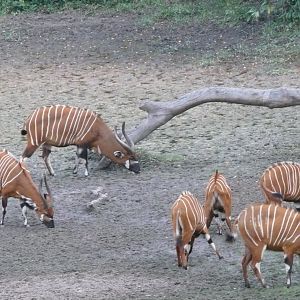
{"x":284,"y":179}
{"x":59,"y":125}
{"x":10,"y":170}
{"x":270,"y":225}
{"x":187,"y":211}
{"x":217,"y":187}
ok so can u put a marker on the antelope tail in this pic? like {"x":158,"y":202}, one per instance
{"x":277,"y":195}
{"x":216,"y":175}
{"x":23,"y":131}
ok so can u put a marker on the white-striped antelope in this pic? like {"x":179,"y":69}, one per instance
{"x":15,"y":181}
{"x":61,"y":126}
{"x":189,"y":221}
{"x":268,"y":226}
{"x":218,"y":201}
{"x":281,"y":182}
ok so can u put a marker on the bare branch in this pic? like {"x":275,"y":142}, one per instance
{"x":159,"y":113}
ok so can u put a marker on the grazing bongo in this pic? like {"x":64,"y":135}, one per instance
{"x":218,"y":200}
{"x":189,"y":222}
{"x":267,"y":226}
{"x":61,"y":126}
{"x":15,"y":181}
{"x":281,"y":182}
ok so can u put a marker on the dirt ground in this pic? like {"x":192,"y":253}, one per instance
{"x":124,"y":248}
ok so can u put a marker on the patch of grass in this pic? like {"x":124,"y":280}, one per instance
{"x":280,"y":29}
{"x":148,"y":158}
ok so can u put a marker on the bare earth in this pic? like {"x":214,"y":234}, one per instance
{"x":124,"y":248}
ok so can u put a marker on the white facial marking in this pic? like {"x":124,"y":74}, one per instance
{"x":42,"y":217}
{"x":187,"y":248}
{"x":127,"y":164}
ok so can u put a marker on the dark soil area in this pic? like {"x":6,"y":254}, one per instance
{"x":124,"y":247}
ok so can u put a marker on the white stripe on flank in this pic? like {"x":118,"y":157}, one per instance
{"x":288,"y":179}
{"x":271,"y":182}
{"x":77,"y":122}
{"x":288,"y":226}
{"x":295,"y":230}
{"x":62,"y":140}
{"x":247,"y":232}
{"x":254,"y":224}
{"x":72,"y":127}
{"x":281,"y":227}
{"x":82,"y":123}
{"x":260,"y":223}
{"x":48,"y":121}
{"x":29,"y":128}
{"x":296,"y":238}
{"x":85,"y":130}
{"x":274,"y":218}
{"x":277,"y":181}
{"x":8,"y":164}
{"x":268,"y":221}
{"x":59,"y":122}
{"x":35,"y":128}
{"x":187,"y":215}
{"x":42,"y":127}
{"x":54,"y":122}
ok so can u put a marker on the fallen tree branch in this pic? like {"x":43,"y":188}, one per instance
{"x":159,"y":113}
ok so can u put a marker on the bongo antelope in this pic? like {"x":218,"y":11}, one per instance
{"x":268,"y":226}
{"x":218,"y":200}
{"x":61,"y":126}
{"x":15,"y":181}
{"x":189,"y":222}
{"x":281,"y":182}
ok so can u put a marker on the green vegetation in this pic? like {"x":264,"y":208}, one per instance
{"x":278,"y":21}
{"x":284,"y":11}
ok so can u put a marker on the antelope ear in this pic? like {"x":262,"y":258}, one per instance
{"x":118,"y":154}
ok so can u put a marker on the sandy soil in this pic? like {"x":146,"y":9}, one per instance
{"x":124,"y":248}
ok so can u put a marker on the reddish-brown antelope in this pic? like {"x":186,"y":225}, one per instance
{"x":15,"y":181}
{"x":268,"y":226}
{"x":189,"y":222}
{"x":218,"y":201}
{"x":61,"y":126}
{"x":281,"y":182}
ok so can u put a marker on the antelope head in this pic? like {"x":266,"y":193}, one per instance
{"x":46,"y":218}
{"x":128,"y":157}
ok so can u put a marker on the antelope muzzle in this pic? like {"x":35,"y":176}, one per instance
{"x":49,"y":224}
{"x":134,"y":166}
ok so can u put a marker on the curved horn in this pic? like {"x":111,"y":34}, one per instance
{"x":127,"y":138}
{"x":41,"y":193}
{"x":47,"y":186}
{"x":123,"y":144}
